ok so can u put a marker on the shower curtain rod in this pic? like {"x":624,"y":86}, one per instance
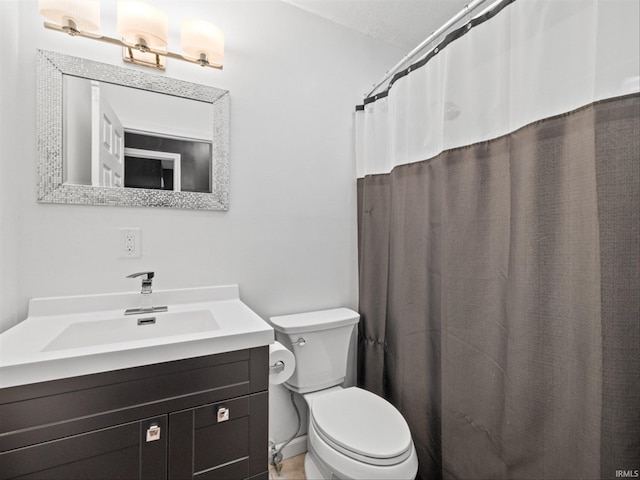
{"x":468,"y":8}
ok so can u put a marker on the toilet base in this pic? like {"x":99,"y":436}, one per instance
{"x":311,"y":470}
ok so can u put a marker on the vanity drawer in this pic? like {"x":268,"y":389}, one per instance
{"x":111,"y":453}
{"x":217,"y":446}
{"x":235,"y":470}
{"x":216,"y":443}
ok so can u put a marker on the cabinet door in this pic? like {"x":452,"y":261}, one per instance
{"x":120,"y":452}
{"x":225,"y":440}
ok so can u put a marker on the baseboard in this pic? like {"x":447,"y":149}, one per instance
{"x":295,"y":447}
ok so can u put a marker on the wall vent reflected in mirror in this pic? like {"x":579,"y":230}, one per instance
{"x":113,"y":136}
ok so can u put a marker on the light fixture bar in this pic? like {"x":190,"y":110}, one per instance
{"x":143,"y":57}
{"x":128,"y":55}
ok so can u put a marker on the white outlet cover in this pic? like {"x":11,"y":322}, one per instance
{"x":129,"y":242}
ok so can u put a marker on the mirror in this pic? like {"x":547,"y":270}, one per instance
{"x":109,"y":135}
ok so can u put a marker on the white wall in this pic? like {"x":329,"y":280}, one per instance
{"x":10,"y":311}
{"x":289,"y":238}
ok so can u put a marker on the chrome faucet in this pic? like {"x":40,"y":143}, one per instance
{"x":146,"y":291}
{"x":146,"y":282}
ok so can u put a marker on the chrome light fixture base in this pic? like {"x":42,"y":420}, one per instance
{"x":139,"y":54}
{"x":144,"y":58}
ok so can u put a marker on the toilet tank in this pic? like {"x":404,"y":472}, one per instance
{"x":320,"y":342}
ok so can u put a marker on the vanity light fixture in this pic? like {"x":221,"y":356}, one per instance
{"x":143,"y":30}
{"x":202,"y":41}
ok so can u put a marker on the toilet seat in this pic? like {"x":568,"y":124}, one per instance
{"x":362,"y":426}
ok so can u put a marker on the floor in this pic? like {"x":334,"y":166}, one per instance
{"x":292,"y":469}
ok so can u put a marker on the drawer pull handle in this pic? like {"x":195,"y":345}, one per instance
{"x":222,"y":414}
{"x":153,"y":433}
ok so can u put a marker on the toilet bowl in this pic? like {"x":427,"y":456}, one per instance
{"x":352,"y":433}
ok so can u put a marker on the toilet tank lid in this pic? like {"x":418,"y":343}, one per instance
{"x":315,"y":321}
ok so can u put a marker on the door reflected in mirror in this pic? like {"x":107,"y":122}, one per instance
{"x":118,"y":136}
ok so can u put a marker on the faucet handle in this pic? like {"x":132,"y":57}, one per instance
{"x":146,"y":282}
{"x":148,"y":274}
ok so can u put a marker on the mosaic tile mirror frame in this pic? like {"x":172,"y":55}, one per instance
{"x":51,"y":184}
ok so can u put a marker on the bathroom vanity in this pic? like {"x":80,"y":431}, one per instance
{"x":109,"y":411}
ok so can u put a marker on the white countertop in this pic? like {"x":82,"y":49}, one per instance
{"x":27,"y":357}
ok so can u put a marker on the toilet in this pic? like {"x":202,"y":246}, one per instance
{"x":352,"y":433}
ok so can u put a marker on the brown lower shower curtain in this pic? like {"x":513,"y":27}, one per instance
{"x":500,"y":299}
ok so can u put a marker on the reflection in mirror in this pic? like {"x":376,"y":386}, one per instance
{"x":114,"y":136}
{"x":117,"y":136}
{"x":167,"y":163}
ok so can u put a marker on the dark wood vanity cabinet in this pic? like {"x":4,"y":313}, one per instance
{"x":198,"y":418}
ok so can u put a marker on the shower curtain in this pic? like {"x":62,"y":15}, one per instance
{"x":499,"y":244}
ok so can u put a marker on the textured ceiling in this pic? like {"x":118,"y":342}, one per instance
{"x":402,"y":23}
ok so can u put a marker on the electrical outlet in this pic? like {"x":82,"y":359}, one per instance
{"x":129,"y":243}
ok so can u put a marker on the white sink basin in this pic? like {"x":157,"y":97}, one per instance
{"x":70,"y":336}
{"x":132,"y":329}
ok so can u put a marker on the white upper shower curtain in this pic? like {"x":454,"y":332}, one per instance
{"x":534,"y":59}
{"x":499,"y":243}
